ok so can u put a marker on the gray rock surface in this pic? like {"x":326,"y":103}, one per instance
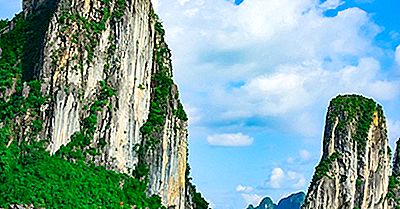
{"x":84,"y":47}
{"x":394,"y":180}
{"x":355,"y":166}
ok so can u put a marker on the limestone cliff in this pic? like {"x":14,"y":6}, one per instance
{"x":107,"y":76}
{"x":394,"y":180}
{"x":355,"y":165}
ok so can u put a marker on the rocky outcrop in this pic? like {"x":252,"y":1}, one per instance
{"x":293,"y":201}
{"x":30,"y":6}
{"x":396,"y":160}
{"x":355,"y":165}
{"x":106,"y":71}
{"x":394,"y":180}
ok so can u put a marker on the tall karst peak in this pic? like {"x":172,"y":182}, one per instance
{"x":355,"y":164}
{"x":92,"y":82}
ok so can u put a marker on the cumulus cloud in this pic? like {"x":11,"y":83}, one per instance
{"x":280,"y":179}
{"x":393,"y":130}
{"x":277,"y":176}
{"x":248,"y":194}
{"x":331,"y":4}
{"x":303,"y":157}
{"x":397,"y":56}
{"x":253,"y":199}
{"x":230,"y":140}
{"x":194,"y":114}
{"x":299,"y":181}
{"x":294,"y":87}
{"x":275,"y":61}
{"x":252,"y":65}
{"x":240,"y":188}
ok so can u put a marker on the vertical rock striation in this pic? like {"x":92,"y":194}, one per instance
{"x":396,"y":160}
{"x":107,"y":72}
{"x":394,"y":180}
{"x":355,"y":165}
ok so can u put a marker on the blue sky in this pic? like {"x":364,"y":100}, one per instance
{"x":256,"y":78}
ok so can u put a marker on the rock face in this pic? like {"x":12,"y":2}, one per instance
{"x":293,"y":201}
{"x":355,"y":165}
{"x":396,"y":160}
{"x":30,"y":6}
{"x":394,"y":180}
{"x":107,"y":73}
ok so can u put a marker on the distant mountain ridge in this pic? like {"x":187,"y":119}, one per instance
{"x":294,"y":201}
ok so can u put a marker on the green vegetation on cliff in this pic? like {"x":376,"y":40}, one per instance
{"x":161,"y":98}
{"x":347,"y":111}
{"x":37,"y":178}
{"x":69,"y":178}
{"x":394,"y":180}
{"x":28,"y":173}
{"x":358,"y":111}
{"x":325,"y":166}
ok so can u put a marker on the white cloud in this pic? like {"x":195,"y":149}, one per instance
{"x":398,"y":55}
{"x":193,"y":113}
{"x":285,"y":76}
{"x":298,"y":180}
{"x":292,"y":89}
{"x":277,"y":177}
{"x":278,"y":60}
{"x":291,"y":174}
{"x":246,"y":189}
{"x":286,"y":180}
{"x":331,"y":4}
{"x":307,"y":123}
{"x":156,"y":4}
{"x":393,"y":129}
{"x":230,"y":140}
{"x":300,"y":183}
{"x":305,"y":155}
{"x":183,"y":2}
{"x":253,"y":199}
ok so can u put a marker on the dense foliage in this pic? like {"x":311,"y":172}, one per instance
{"x":358,"y":109}
{"x":325,"y":166}
{"x":394,"y":183}
{"x":52,"y":182}
{"x":3,"y":24}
